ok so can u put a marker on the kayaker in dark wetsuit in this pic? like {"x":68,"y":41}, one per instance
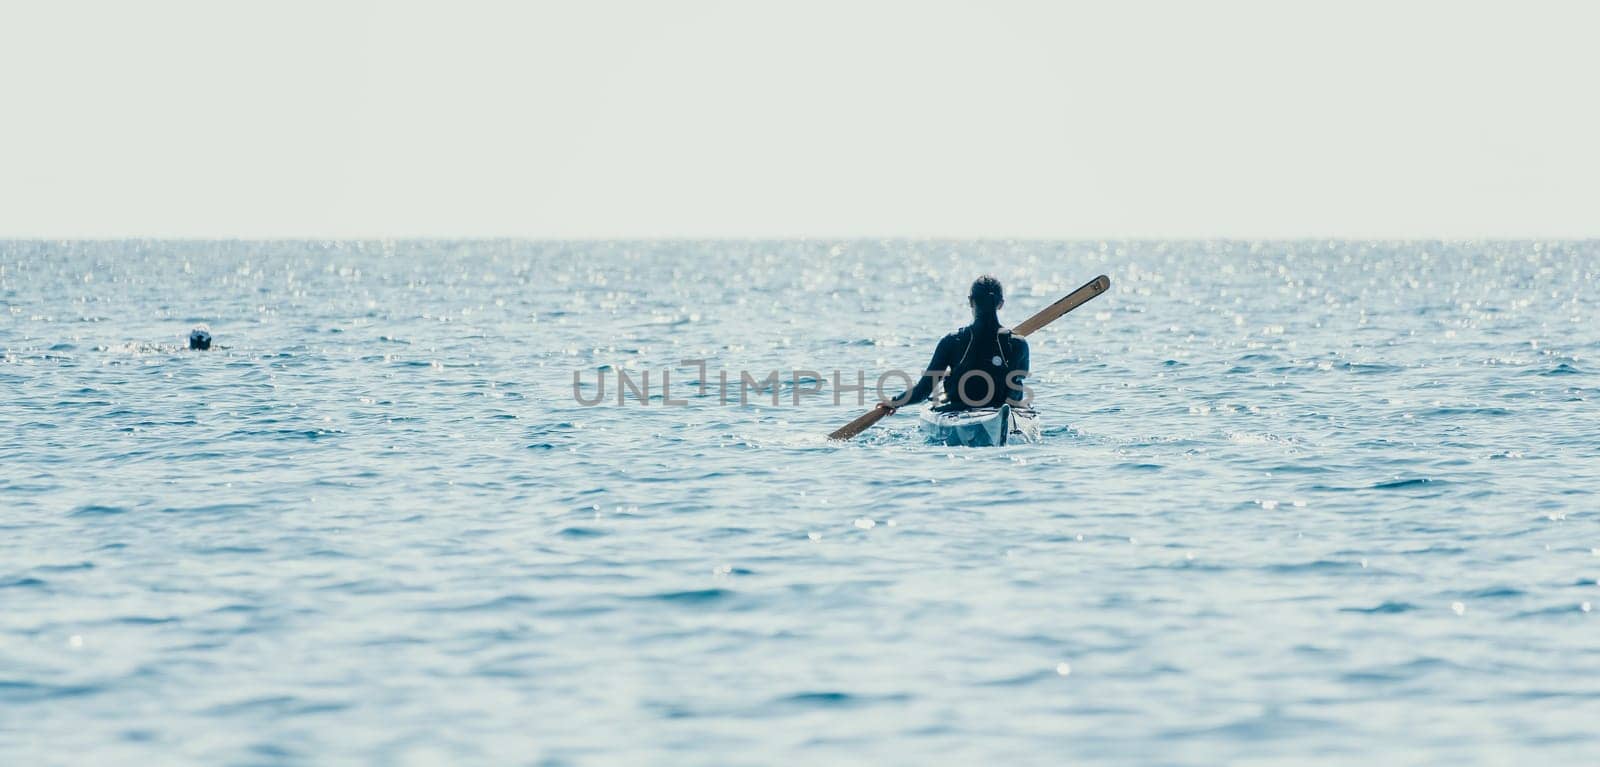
{"x":982,"y":364}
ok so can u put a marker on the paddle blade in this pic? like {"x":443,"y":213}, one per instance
{"x":859,"y":425}
{"x":1072,"y":301}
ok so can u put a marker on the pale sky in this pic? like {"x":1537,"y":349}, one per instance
{"x":826,"y":119}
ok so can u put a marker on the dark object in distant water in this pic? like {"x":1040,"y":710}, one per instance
{"x":200,"y":339}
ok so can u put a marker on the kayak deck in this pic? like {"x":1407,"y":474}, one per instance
{"x":981,"y":427}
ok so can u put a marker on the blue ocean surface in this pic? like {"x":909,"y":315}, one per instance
{"x":1296,"y":502}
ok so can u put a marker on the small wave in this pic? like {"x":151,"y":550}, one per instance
{"x":1369,"y":368}
{"x":1402,"y":484}
{"x":498,"y":603}
{"x":1564,"y":609}
{"x":96,"y":510}
{"x":1400,"y":672}
{"x":229,"y":550}
{"x":1020,"y":680}
{"x":1386,"y":608}
{"x":23,"y":583}
{"x":281,"y":705}
{"x":696,"y":596}
{"x":67,"y":568}
{"x":215,"y":508}
{"x":834,"y":699}
{"x":1494,"y":592}
{"x":1299,"y":468}
{"x":1317,"y":566}
{"x":1448,"y":550}
{"x":17,"y":691}
{"x":144,"y":620}
{"x":1140,"y":466}
{"x":1452,"y":411}
{"x":581,"y":532}
{"x":1271,"y":725}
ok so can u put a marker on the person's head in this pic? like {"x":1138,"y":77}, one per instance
{"x":200,"y":338}
{"x":986,"y":297}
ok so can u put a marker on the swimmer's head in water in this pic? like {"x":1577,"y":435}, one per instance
{"x":200,"y":338}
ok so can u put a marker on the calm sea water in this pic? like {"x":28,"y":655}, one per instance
{"x":1296,"y":502}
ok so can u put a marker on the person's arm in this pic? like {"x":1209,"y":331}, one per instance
{"x":936,"y":367}
{"x":1019,"y":370}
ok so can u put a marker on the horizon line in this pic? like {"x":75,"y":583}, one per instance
{"x":801,"y":238}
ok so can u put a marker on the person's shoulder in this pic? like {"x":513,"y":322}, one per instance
{"x":959,"y":334}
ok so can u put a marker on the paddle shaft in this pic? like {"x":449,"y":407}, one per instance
{"x":1071,"y":301}
{"x":1050,"y":314}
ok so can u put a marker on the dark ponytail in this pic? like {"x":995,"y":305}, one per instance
{"x":986,"y":295}
{"x":983,"y":350}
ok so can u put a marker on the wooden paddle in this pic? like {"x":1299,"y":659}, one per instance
{"x":1071,"y":301}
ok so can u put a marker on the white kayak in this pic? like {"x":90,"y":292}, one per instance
{"x":981,"y":427}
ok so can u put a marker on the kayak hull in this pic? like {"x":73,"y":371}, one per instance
{"x":981,"y":427}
